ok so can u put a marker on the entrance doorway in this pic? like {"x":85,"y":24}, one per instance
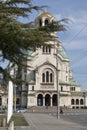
{"x":47,"y":100}
{"x":40,"y":100}
{"x":54,"y":100}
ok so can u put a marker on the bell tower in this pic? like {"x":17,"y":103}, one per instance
{"x":44,"y":18}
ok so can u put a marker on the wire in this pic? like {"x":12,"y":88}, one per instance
{"x":77,"y":34}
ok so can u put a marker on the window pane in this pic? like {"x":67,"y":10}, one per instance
{"x":51,"y":78}
{"x":47,"y":76}
{"x":43,"y":77}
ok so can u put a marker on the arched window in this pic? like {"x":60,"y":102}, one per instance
{"x":81,"y":101}
{"x":51,"y":77}
{"x":61,"y":88}
{"x":32,"y":88}
{"x":40,"y":22}
{"x":72,"y":102}
{"x":49,"y":49}
{"x":77,"y":101}
{"x":43,"y":77}
{"x":0,"y":100}
{"x":47,"y":76}
{"x":46,"y":49}
{"x":74,"y":88}
{"x":46,"y":21}
{"x":40,"y":100}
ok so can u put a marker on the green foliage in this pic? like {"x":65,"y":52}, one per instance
{"x":16,"y":37}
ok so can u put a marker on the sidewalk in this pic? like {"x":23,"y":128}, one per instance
{"x":39,"y":121}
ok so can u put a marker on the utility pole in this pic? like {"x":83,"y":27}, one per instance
{"x":57,"y":84}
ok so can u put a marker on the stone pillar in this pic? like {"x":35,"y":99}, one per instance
{"x":75,"y":103}
{"x":43,"y":22}
{"x":43,"y":101}
{"x":51,"y":102}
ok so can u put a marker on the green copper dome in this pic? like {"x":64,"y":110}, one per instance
{"x":63,"y":54}
{"x":29,"y":52}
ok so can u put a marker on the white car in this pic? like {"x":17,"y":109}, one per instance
{"x":21,"y":110}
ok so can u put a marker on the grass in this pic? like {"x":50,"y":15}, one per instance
{"x":18,"y":119}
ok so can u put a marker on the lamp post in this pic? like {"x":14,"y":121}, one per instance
{"x":57,"y":84}
{"x":84,"y":98}
{"x":27,"y":89}
{"x":14,"y":90}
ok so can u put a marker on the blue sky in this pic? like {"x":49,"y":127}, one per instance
{"x":74,"y":40}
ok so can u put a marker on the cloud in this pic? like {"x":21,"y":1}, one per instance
{"x":76,"y":35}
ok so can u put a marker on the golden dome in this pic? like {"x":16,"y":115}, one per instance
{"x":45,"y":14}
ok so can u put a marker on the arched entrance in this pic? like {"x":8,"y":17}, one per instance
{"x":47,"y":100}
{"x":54,"y":100}
{"x":40,"y":100}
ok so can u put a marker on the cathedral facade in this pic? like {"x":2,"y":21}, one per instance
{"x":50,"y":79}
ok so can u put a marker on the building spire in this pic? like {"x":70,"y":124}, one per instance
{"x":45,"y":9}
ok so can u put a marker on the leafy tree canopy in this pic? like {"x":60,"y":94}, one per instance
{"x":17,"y":37}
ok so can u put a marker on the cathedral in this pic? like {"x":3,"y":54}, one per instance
{"x":50,"y":80}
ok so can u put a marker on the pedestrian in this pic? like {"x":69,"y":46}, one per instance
{"x":61,"y":110}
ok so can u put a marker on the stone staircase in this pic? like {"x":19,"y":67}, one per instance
{"x":42,"y":109}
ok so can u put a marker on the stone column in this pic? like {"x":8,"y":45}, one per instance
{"x":51,"y":102}
{"x":43,"y":101}
{"x":43,"y":22}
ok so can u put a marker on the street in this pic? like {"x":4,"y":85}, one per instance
{"x":79,"y":117}
{"x":47,"y":120}
{"x":69,"y":120}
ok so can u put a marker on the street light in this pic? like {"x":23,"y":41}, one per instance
{"x":57,"y":84}
{"x":84,"y":98}
{"x":14,"y":89}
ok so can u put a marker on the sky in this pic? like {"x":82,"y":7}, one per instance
{"x":74,"y":40}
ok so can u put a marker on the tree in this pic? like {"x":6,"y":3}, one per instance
{"x":17,"y":37}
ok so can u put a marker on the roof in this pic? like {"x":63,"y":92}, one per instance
{"x":63,"y":54}
{"x":47,"y":14}
{"x":79,"y":93}
{"x":29,"y":52}
{"x":71,"y":83}
{"x":76,"y":93}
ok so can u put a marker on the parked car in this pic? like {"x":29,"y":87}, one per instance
{"x":2,"y":110}
{"x":21,"y":110}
